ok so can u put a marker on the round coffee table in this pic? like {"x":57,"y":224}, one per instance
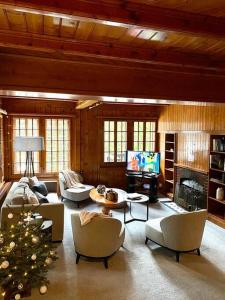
{"x":100,"y":199}
{"x":143,"y":198}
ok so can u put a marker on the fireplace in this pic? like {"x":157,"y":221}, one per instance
{"x":191,"y":189}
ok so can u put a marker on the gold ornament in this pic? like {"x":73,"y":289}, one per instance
{"x":12,"y":245}
{"x":17,"y":296}
{"x":33,"y":257}
{"x":48,"y":261}
{"x":20,"y":286}
{"x":35,"y":239}
{"x":5,"y":264}
{"x":10,"y":215}
{"x":43,"y":289}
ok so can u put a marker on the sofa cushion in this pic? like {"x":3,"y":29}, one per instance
{"x":53,"y":198}
{"x":32,"y":181}
{"x":19,"y":199}
{"x":41,"y":188}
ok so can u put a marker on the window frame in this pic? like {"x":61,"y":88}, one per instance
{"x":130,"y":137}
{"x":42,"y":154}
{"x":115,"y":141}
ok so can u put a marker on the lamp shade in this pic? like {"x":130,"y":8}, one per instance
{"x":28,"y":143}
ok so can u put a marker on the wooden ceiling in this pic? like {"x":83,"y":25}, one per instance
{"x":186,"y":35}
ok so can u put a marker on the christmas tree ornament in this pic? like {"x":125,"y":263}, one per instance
{"x":12,"y":245}
{"x":34,"y":257}
{"x":35,"y":239}
{"x":43,"y":289}
{"x":5,"y":264}
{"x":20,"y":244}
{"x":10,"y":215}
{"x":48,"y":261}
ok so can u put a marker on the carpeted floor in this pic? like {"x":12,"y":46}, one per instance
{"x":139,"y":272}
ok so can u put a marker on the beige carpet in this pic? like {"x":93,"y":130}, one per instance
{"x":139,"y":271}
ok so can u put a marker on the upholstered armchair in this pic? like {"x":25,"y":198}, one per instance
{"x":180,"y":232}
{"x":74,"y":194}
{"x":100,"y":238}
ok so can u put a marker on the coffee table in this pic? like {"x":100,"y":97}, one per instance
{"x":143,"y":199}
{"x":107,"y":205}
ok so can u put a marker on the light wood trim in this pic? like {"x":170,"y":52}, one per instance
{"x":129,"y":13}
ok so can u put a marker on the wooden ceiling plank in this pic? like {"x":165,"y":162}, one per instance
{"x":126,"y":14}
{"x":7,"y":18}
{"x":109,"y":50}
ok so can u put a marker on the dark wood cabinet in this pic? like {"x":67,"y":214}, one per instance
{"x":143,"y":183}
{"x":216,"y":207}
{"x":170,"y":159}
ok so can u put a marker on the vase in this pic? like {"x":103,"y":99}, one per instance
{"x":220,"y":194}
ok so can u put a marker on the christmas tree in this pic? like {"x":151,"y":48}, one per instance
{"x":26,"y":253}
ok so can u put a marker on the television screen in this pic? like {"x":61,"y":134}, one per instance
{"x":143,"y":161}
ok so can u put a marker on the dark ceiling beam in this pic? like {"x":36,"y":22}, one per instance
{"x":126,"y":13}
{"x":25,"y":73}
{"x":162,"y":57}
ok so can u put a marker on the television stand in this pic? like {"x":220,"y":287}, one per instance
{"x":143,"y":183}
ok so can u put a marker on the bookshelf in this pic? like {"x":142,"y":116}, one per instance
{"x":170,"y":159}
{"x":216,"y":207}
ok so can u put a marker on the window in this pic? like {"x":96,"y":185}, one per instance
{"x":150,"y":136}
{"x":25,"y":127}
{"x":57,"y":144}
{"x":115,"y":141}
{"x":144,"y":136}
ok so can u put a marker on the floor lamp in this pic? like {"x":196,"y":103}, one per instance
{"x":29,"y":144}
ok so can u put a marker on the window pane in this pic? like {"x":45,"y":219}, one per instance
{"x":25,"y":127}
{"x":115,"y":140}
{"x":57,"y":144}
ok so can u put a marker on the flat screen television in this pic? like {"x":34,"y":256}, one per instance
{"x":143,"y":161}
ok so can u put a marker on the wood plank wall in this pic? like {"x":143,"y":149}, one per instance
{"x":87,"y":149}
{"x":92,"y":165}
{"x":193,"y":125}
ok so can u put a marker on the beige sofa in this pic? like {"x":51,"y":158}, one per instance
{"x":100,"y":238}
{"x":180,"y":232}
{"x":54,"y":210}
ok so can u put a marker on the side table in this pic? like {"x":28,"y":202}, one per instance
{"x":143,"y":199}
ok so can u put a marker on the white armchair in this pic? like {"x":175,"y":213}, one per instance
{"x":73,"y":194}
{"x":100,"y":238}
{"x":180,"y":232}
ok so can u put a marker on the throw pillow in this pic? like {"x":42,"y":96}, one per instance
{"x":32,"y":181}
{"x":41,"y":188}
{"x":41,"y":198}
{"x":32,"y":198}
{"x":24,"y":180}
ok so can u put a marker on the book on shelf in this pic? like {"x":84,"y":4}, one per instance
{"x":216,"y":162}
{"x":219,"y":145}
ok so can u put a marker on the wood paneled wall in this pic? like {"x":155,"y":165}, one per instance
{"x":92,"y":165}
{"x":87,"y":134}
{"x":193,"y":125}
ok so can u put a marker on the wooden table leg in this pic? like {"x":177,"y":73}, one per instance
{"x":106,"y":211}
